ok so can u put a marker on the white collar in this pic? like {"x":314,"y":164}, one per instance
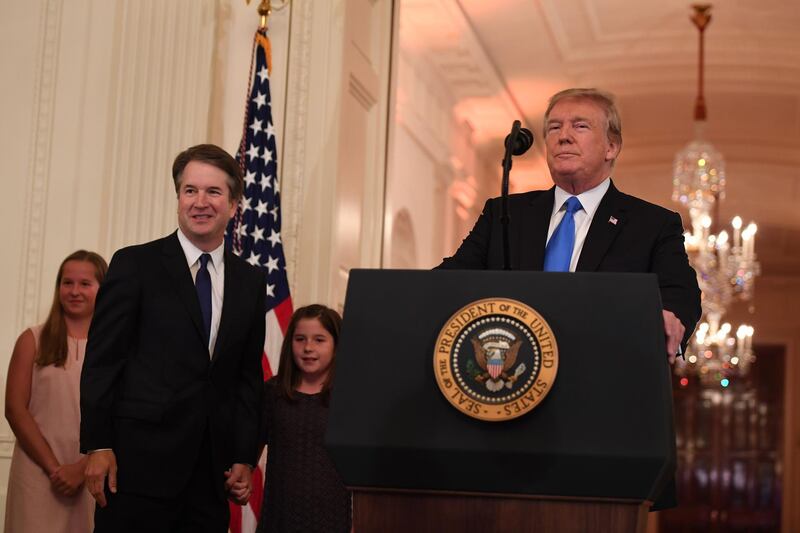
{"x":589,"y":199}
{"x":193,"y":253}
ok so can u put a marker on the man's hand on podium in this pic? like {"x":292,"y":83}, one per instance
{"x":673,"y":330}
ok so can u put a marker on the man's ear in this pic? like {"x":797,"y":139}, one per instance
{"x":232,"y":204}
{"x":612,"y":152}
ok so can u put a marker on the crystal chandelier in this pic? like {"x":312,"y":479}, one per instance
{"x":726,"y":268}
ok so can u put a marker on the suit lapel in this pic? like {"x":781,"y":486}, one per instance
{"x":606,"y":225}
{"x":233,"y":286}
{"x":175,"y":263}
{"x":532,"y":227}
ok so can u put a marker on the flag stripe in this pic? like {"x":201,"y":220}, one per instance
{"x":249,"y":520}
{"x":258,"y":492}
{"x":284,"y":312}
{"x":273,"y":339}
{"x":236,"y":518}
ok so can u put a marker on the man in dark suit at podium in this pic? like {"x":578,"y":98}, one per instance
{"x":584,"y":223}
{"x":172,"y":380}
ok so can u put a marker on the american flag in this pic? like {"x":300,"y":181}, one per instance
{"x":255,"y":235}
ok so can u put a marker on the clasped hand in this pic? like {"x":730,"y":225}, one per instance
{"x":238,"y":483}
{"x":68,"y":479}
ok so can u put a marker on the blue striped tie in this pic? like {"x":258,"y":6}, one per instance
{"x":202,"y":283}
{"x":558,"y":253}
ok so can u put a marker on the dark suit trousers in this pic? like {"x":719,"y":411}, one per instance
{"x":198,"y":508}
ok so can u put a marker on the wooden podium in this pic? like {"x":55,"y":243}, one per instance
{"x":592,"y":456}
{"x":421,"y":512}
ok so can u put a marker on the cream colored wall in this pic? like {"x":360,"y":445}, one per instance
{"x":106,"y":92}
{"x":440,"y":169}
{"x":97,"y":98}
{"x":420,"y":173}
{"x":15,"y":136}
{"x":335,"y":136}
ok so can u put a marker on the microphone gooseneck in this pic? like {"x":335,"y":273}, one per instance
{"x":517,"y":143}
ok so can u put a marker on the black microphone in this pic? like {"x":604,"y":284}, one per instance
{"x":522,"y":143}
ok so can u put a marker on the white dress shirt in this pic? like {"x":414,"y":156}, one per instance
{"x":216,"y":268}
{"x":583,"y":217}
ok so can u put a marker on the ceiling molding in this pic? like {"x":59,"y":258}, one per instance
{"x":444,"y":38}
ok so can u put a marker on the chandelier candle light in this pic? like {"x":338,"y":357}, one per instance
{"x":726,"y":270}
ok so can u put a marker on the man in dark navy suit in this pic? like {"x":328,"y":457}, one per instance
{"x":172,"y":380}
{"x":610,"y":231}
{"x":585,"y":224}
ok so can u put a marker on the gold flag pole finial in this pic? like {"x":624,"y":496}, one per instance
{"x":264,"y":10}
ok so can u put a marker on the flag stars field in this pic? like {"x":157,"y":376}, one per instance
{"x":272,"y":264}
{"x":274,"y":237}
{"x":256,"y":126}
{"x":257,"y":234}
{"x":252,"y":153}
{"x":260,"y":100}
{"x":254,"y":259}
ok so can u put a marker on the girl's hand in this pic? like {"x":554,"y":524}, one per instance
{"x":238,"y":483}
{"x":68,"y":479}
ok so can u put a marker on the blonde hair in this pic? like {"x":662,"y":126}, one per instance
{"x":601,"y":98}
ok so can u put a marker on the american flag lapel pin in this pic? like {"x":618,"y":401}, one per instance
{"x":612,"y":220}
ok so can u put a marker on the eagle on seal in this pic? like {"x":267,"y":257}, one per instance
{"x":496,"y":353}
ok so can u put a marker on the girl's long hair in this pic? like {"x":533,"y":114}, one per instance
{"x":288,"y":374}
{"x":53,"y":348}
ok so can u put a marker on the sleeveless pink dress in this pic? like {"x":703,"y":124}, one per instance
{"x":31,"y":505}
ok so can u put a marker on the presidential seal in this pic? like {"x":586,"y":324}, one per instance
{"x":495,"y":359}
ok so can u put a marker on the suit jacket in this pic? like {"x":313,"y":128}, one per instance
{"x":645,"y":238}
{"x":149,"y":389}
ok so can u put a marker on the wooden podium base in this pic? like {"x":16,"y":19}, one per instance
{"x":383,"y":511}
